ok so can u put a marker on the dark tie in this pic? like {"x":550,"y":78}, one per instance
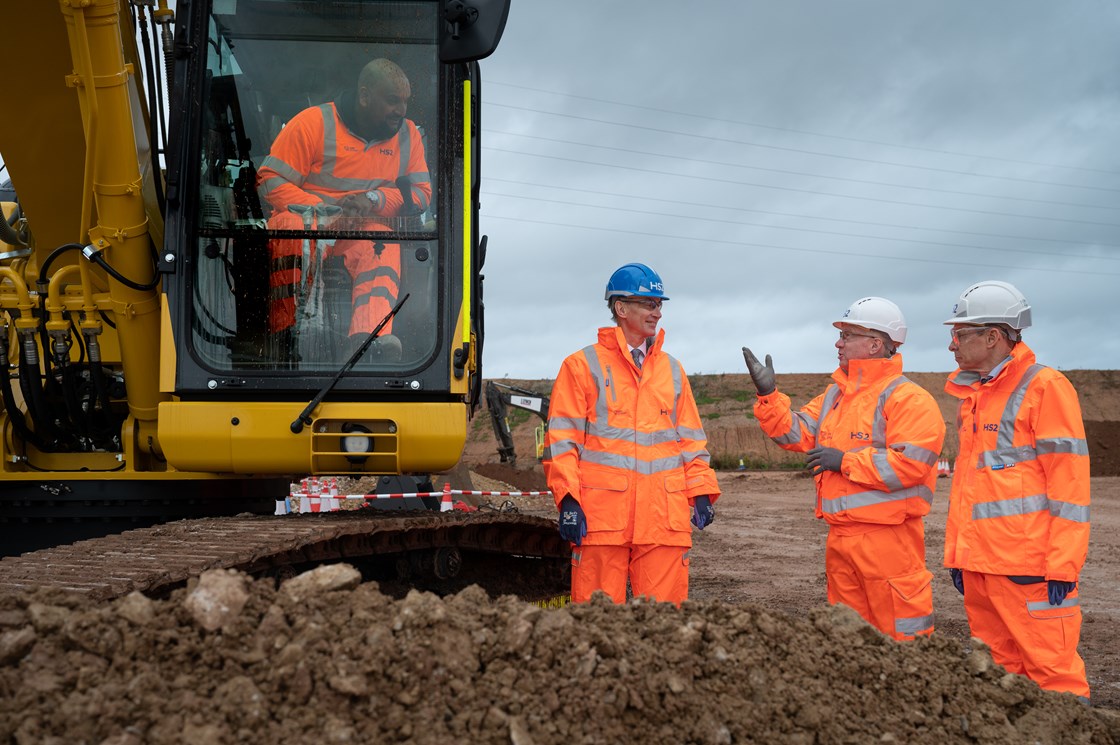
{"x":637,"y":354}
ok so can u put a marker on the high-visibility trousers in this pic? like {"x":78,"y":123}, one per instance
{"x":374,"y":269}
{"x":1027,"y":635}
{"x":880,"y":572}
{"x":657,"y":572}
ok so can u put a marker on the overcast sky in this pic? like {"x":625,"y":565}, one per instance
{"x":775,"y":161}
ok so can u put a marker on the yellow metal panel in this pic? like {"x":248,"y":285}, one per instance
{"x":167,"y":358}
{"x":256,"y":437}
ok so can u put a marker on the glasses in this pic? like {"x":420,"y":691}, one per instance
{"x":956,"y":335}
{"x":846,"y":335}
{"x":647,"y":303}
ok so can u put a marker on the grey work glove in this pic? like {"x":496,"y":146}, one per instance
{"x":825,"y":459}
{"x":762,"y":375}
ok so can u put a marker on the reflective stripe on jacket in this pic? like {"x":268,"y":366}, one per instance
{"x":1020,"y":498}
{"x":890,"y":429}
{"x":628,"y":447}
{"x":316,"y":158}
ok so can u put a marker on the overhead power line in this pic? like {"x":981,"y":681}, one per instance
{"x":745,"y":244}
{"x":843,"y":138}
{"x":803,"y":216}
{"x":801,"y":151}
{"x":802,"y":230}
{"x":711,"y":179}
{"x":848,"y":179}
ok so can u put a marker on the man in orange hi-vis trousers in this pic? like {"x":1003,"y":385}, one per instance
{"x":1018,"y":528}
{"x":626,"y":455}
{"x":355,"y":164}
{"x":873,"y":440}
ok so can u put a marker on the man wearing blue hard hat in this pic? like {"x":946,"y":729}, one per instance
{"x":626,"y":455}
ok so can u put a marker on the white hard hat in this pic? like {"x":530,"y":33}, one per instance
{"x":878,"y":314}
{"x":992,"y":302}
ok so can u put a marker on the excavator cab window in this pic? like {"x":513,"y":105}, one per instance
{"x":311,"y":222}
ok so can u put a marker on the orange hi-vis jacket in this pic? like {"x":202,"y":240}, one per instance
{"x":890,"y":429}
{"x":1019,"y":504}
{"x":629,"y":447}
{"x":316,"y":158}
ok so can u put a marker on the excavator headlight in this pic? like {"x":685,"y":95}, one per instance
{"x":356,"y":446}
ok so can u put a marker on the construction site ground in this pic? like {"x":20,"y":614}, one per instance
{"x":756,"y":656}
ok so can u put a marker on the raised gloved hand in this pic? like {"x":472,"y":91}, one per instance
{"x":703,"y":513}
{"x":1056,"y":590}
{"x":762,"y":375}
{"x":958,"y":579}
{"x":823,"y":459}
{"x":573,"y":524}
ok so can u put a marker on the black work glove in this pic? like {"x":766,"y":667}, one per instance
{"x":762,"y":375}
{"x":1056,"y":590}
{"x":703,"y":513}
{"x":958,"y":579}
{"x":823,"y":459}
{"x":573,"y":524}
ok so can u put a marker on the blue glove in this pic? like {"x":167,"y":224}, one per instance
{"x":958,"y":579}
{"x":1056,"y":590}
{"x":825,"y":459}
{"x":703,"y":512}
{"x":573,"y":524}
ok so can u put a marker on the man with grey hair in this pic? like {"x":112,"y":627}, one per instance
{"x":873,"y":439}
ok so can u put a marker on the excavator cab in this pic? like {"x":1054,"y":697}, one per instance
{"x":148,"y":376}
{"x":262,"y":296}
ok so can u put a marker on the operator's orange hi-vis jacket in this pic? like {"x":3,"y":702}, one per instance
{"x":317,"y":159}
{"x":629,"y":448}
{"x":1019,"y":504}
{"x":890,"y":429}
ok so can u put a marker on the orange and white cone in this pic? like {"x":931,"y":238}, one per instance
{"x":445,"y":504}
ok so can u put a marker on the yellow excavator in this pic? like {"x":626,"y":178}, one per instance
{"x":146,"y":379}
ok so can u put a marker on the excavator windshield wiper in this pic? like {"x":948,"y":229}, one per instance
{"x":304,"y":417}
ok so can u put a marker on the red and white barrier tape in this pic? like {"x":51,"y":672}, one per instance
{"x":316,"y":496}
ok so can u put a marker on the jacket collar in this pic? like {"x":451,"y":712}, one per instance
{"x":962,"y":382}
{"x":862,"y":373}
{"x":612,"y":337}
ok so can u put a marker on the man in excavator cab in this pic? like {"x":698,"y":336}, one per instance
{"x":352,"y":164}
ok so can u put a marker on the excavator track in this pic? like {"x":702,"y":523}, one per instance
{"x":506,"y":553}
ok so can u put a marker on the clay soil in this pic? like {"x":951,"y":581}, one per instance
{"x":755,"y":656}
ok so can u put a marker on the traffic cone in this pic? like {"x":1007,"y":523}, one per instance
{"x":445,"y":504}
{"x":942,"y":469}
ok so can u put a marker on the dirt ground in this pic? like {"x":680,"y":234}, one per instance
{"x":766,"y":549}
{"x":756,"y":657}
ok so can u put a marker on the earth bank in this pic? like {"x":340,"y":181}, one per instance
{"x":230,"y":659}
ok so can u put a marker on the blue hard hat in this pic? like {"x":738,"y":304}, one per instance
{"x":635,"y":279}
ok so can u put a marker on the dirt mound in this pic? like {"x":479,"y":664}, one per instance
{"x":523,"y":479}
{"x":327,"y":659}
{"x":1104,"y":447}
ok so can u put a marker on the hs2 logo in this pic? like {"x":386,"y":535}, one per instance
{"x":991,"y":427}
{"x":859,"y":436}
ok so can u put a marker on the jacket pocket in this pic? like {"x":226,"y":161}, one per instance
{"x":604,"y":496}
{"x":677,"y":509}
